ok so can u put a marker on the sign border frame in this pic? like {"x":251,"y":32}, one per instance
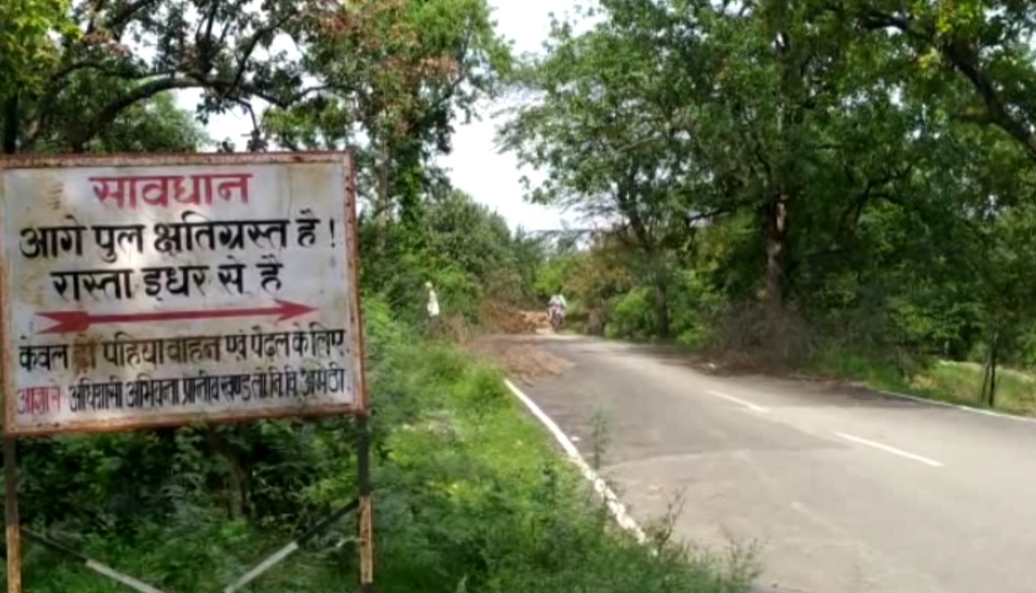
{"x":345,"y":157}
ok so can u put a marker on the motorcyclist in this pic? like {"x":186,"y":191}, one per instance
{"x":558,"y":304}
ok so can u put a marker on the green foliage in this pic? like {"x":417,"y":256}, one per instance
{"x":952,"y":382}
{"x":554,"y":275}
{"x":695,"y":303}
{"x":26,"y":48}
{"x":463,"y":248}
{"x":632,"y":315}
{"x":395,"y":75}
{"x":78,"y":66}
{"x":154,"y":125}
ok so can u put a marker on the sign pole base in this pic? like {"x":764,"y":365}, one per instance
{"x":11,"y":519}
{"x":366,"y":508}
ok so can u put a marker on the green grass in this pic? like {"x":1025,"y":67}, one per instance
{"x":961,"y":382}
{"x":470,"y":495}
{"x":202,"y":554}
{"x":948,"y":381}
{"x":483,"y":502}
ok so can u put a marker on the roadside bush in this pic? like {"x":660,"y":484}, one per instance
{"x":632,"y":315}
{"x":694,"y":306}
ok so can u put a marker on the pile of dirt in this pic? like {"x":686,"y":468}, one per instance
{"x":521,"y":360}
{"x":507,"y":319}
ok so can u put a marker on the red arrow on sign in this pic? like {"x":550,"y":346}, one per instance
{"x":79,"y":321}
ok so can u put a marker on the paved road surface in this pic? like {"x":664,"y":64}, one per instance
{"x":847,"y":491}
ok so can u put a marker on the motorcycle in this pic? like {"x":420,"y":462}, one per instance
{"x":557,"y":317}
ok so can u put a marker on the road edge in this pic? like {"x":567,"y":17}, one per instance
{"x":971,"y":409}
{"x":915,"y":398}
{"x":615,"y":506}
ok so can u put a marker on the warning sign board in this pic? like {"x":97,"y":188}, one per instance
{"x":169,"y":290}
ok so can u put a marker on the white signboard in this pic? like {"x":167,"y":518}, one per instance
{"x":168,"y":290}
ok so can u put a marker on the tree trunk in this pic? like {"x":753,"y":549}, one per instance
{"x":383,"y":207}
{"x":776,"y":239}
{"x":10,"y":125}
{"x":595,"y":322}
{"x":235,"y":492}
{"x":661,"y":308}
{"x":989,"y":377}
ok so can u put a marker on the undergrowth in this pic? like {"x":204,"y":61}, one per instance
{"x":940,"y":380}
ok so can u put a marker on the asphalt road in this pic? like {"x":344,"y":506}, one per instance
{"x":844,"y":490}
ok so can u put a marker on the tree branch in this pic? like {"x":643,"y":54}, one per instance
{"x":112,"y":110}
{"x":252,"y":43}
{"x":124,"y":16}
{"x":966,"y":60}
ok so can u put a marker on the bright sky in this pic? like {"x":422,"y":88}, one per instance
{"x":474,"y":165}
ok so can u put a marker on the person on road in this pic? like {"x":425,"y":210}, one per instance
{"x":557,"y":306}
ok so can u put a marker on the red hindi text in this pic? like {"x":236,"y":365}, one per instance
{"x":38,"y":401}
{"x":164,"y":190}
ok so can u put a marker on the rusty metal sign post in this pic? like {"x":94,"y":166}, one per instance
{"x":146,"y":291}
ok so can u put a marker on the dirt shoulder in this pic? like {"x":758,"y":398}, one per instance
{"x":519,"y":356}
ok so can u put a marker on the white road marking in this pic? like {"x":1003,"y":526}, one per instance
{"x":747,"y":404}
{"x":889,"y":449}
{"x":616,"y":507}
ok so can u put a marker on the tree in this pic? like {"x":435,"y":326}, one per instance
{"x":609,"y":130}
{"x":26,"y":50}
{"x":985,"y":43}
{"x":668,"y":115}
{"x":819,"y":157}
{"x":394,"y":75}
{"x":108,"y":57}
{"x":154,"y":125}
